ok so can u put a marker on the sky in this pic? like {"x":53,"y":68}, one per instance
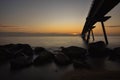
{"x":51,"y":16}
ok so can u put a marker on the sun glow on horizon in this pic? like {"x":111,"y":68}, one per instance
{"x":75,"y":34}
{"x":58,"y":16}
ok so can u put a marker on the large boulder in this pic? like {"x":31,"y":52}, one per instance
{"x":98,"y":49}
{"x":24,"y":48}
{"x":5,"y":54}
{"x":9,"y":46}
{"x":8,"y":52}
{"x":61,"y":59}
{"x":39,"y":50}
{"x":44,"y":57}
{"x":20,"y":61}
{"x":74,"y":52}
{"x":115,"y":56}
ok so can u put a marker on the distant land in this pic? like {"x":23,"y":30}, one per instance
{"x":5,"y":34}
{"x":22,"y":34}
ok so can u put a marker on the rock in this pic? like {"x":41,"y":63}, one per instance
{"x":61,"y":59}
{"x":13,"y":49}
{"x":98,"y":49}
{"x":108,"y":52}
{"x":3,"y":57}
{"x":96,"y":46}
{"x":19,"y":48}
{"x":44,"y":57}
{"x":117,"y":50}
{"x":9,"y":46}
{"x":18,"y":54}
{"x":115,"y":56}
{"x":5,"y":54}
{"x":74,"y":52}
{"x":26,"y":49}
{"x":39,"y":50}
{"x":81,"y":64}
{"x":20,"y":61}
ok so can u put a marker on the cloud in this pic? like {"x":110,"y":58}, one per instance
{"x":33,"y":34}
{"x":6,"y":26}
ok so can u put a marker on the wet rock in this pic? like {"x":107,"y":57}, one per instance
{"x":61,"y":59}
{"x":39,"y":50}
{"x":108,"y":51}
{"x":115,"y":56}
{"x":8,"y":52}
{"x":43,"y":58}
{"x":74,"y":52}
{"x":9,"y":46}
{"x":5,"y":54}
{"x":96,"y":46}
{"x":3,"y":57}
{"x":98,"y":49}
{"x":20,"y":61}
{"x":25,"y":48}
{"x":80,"y":64}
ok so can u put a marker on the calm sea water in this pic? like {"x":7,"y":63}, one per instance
{"x":57,"y":41}
{"x":52,"y":71}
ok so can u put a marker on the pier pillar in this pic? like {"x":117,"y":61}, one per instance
{"x":92,"y":35}
{"x":104,"y":31}
{"x":88,"y":36}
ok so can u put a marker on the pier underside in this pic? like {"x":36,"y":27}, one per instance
{"x":98,"y":10}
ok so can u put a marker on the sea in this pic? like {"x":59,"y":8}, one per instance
{"x":52,"y":71}
{"x":57,"y":41}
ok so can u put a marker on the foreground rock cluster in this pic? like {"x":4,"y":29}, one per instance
{"x":22,"y":55}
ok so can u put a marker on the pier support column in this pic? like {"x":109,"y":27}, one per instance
{"x":92,"y":35}
{"x":83,"y":36}
{"x":88,"y":36}
{"x":104,"y":31}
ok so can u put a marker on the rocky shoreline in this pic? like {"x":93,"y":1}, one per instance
{"x":22,"y":55}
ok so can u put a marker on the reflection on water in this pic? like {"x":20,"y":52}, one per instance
{"x":45,"y":41}
{"x":57,"y":41}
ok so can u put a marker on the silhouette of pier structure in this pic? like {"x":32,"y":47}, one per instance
{"x":98,"y":10}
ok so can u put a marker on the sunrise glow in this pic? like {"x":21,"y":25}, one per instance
{"x":52,"y":17}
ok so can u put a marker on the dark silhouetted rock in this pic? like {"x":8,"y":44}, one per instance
{"x":96,"y":46}
{"x":81,"y":64}
{"x":38,"y":50}
{"x":25,"y":48}
{"x":115,"y":56}
{"x":44,"y":57}
{"x":9,"y":46}
{"x":10,"y":51}
{"x":98,"y":49}
{"x":74,"y":52}
{"x":3,"y":57}
{"x":20,"y":61}
{"x":5,"y":54}
{"x":108,"y":51}
{"x":61,"y":59}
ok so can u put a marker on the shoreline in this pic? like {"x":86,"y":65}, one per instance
{"x":95,"y":60}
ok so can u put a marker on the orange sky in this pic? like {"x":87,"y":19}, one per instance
{"x":110,"y":30}
{"x":59,"y":16}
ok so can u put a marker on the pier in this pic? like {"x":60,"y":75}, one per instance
{"x":97,"y":13}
